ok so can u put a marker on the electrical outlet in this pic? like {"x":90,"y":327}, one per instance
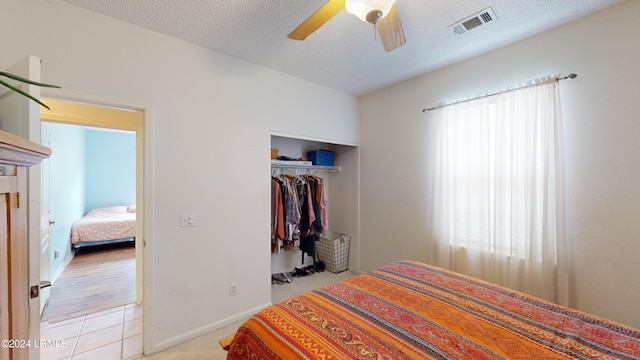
{"x":233,"y":289}
{"x":187,"y":219}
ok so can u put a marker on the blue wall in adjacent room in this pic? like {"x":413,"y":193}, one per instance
{"x":67,"y":181}
{"x":110,"y":168}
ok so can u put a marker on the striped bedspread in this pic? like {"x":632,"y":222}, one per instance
{"x":409,"y":310}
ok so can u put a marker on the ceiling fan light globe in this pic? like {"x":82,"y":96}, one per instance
{"x":363,"y":8}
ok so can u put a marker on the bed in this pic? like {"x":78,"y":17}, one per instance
{"x":410,"y":310}
{"x":104,"y":225}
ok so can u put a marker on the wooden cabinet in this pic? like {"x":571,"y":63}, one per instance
{"x":16,"y":154}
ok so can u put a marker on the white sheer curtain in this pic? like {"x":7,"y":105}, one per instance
{"x":498,"y":190}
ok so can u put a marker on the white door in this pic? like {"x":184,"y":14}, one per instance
{"x":45,"y":227}
{"x":21,"y":116}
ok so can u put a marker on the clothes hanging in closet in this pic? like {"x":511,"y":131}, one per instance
{"x":277,"y":213}
{"x":298,"y":211}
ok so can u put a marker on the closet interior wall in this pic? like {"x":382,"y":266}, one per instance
{"x":341,"y":190}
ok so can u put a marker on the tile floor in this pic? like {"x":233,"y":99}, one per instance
{"x":109,"y":334}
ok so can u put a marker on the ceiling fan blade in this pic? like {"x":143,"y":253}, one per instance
{"x":317,"y":19}
{"x":390,"y":30}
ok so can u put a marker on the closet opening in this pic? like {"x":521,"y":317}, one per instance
{"x":327,"y":197}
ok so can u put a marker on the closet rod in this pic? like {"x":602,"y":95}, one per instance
{"x":570,"y":76}
{"x":307,"y":167}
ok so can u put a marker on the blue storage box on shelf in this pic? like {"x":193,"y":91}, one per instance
{"x":321,"y":157}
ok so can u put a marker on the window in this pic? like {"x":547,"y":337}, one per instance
{"x":498,"y":202}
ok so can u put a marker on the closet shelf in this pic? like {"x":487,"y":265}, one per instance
{"x":306,"y":167}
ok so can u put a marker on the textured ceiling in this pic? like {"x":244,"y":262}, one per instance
{"x":345,"y":53}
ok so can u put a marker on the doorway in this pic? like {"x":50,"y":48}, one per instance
{"x":91,"y":187}
{"x":114,"y":121}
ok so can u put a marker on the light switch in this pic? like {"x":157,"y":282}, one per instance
{"x":187,"y":219}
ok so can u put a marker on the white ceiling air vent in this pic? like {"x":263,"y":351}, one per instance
{"x":473,"y":21}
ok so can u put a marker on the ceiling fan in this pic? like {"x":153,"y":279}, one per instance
{"x":381,"y":13}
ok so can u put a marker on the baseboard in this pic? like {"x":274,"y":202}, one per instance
{"x":169,"y":343}
{"x":64,"y":266}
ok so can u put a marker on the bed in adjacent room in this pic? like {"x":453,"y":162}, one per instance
{"x":106,"y":225}
{"x":410,"y":310}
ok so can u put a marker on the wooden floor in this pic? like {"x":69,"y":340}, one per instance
{"x":94,"y":280}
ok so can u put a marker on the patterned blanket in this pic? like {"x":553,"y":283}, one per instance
{"x":107,"y":223}
{"x":409,"y":310}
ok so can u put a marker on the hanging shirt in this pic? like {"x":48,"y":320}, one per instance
{"x":277,"y":214}
{"x":322,"y":204}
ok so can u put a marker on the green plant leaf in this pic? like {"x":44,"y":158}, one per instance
{"x":25,"y":80}
{"x":22,"y":93}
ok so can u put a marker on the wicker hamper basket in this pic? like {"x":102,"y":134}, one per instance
{"x":333,"y":251}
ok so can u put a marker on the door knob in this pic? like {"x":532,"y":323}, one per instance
{"x":51,"y":222}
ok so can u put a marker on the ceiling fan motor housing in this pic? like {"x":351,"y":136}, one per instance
{"x":382,"y":13}
{"x":370,"y":11}
{"x":374,"y":16}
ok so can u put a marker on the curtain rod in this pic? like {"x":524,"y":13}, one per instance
{"x":570,"y":76}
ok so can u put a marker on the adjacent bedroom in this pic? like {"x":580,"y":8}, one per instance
{"x":92,"y":185}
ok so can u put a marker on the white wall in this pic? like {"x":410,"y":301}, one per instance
{"x":210,"y":133}
{"x":602,"y":145}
